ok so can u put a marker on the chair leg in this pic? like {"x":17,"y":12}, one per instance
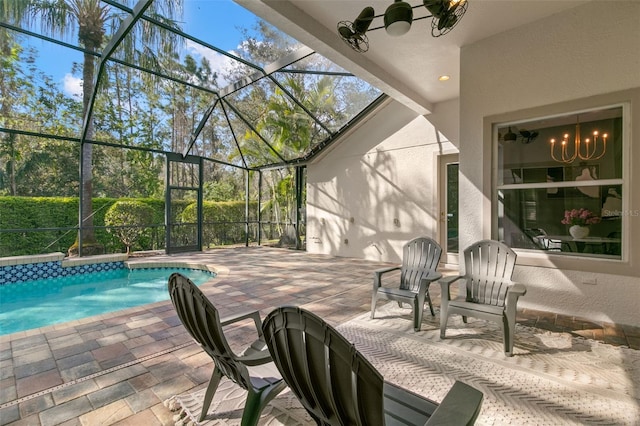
{"x":508,"y":327}
{"x":418,"y":306}
{"x":428,"y":298}
{"x":252,"y":409}
{"x":256,"y":402}
{"x":374,"y":301}
{"x":444,"y":317}
{"x":211,"y":391}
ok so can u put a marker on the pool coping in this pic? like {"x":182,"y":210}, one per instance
{"x":38,"y":258}
{"x":88,"y":260}
{"x":176,"y":264}
{"x":131,"y":263}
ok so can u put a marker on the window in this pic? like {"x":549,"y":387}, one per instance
{"x":555,"y":172}
{"x":452,"y":207}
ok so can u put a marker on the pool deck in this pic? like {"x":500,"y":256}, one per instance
{"x":119,"y":368}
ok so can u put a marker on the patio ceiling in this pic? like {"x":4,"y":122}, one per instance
{"x":406,"y":67}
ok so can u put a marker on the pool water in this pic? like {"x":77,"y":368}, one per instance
{"x":33,"y":304}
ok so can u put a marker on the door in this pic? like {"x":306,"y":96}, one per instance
{"x":448,"y":168}
{"x":183,"y":204}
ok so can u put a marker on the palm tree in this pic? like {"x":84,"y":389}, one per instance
{"x":286,"y":126}
{"x":291,"y":132}
{"x":89,"y":18}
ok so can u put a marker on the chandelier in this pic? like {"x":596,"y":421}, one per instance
{"x":397,"y":19}
{"x":587,"y":149}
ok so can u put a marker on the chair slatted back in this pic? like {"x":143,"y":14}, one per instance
{"x":332,"y":380}
{"x":420,"y":257}
{"x":202,"y":321}
{"x":489,"y":265}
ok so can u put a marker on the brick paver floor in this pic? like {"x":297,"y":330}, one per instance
{"x":118,"y":368}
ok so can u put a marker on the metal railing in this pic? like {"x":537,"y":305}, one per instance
{"x":20,"y":242}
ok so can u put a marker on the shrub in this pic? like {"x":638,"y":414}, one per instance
{"x":127,"y":220}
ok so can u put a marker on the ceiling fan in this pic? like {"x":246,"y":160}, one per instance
{"x":524,"y":136}
{"x":446,"y":14}
{"x":397,"y":20}
{"x":353,"y":33}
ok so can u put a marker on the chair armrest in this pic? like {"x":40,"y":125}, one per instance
{"x":377,"y":275}
{"x":450,"y":279}
{"x":513,"y":293}
{"x":445,"y":286}
{"x":256,"y":353}
{"x":426,"y":281}
{"x":460,"y":406}
{"x":517,"y":289}
{"x":385,"y":270}
{"x":511,"y":299}
{"x":433,"y":276}
{"x":254,"y":358}
{"x":254,"y":315}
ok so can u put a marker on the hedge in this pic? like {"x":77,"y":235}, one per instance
{"x":223,"y":224}
{"x":33,"y":214}
{"x":220,"y":221}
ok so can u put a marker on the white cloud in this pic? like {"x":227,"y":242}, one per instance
{"x":72,"y":86}
{"x":244,"y":44}
{"x":219,"y":63}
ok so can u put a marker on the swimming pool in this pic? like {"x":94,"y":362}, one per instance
{"x":38,"y":303}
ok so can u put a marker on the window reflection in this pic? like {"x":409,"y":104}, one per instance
{"x":541,"y":199}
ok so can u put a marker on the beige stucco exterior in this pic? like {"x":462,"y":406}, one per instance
{"x":378,"y":187}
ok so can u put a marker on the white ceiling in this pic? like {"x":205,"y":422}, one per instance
{"x":406,"y":67}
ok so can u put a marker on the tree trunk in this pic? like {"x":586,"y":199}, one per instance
{"x":13,"y":188}
{"x":88,"y":74}
{"x":89,"y":244}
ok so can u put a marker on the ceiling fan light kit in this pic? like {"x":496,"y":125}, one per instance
{"x":398,"y":18}
{"x":524,"y":136}
{"x":510,"y":136}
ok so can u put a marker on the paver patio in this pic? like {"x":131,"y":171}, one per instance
{"x":118,"y":368}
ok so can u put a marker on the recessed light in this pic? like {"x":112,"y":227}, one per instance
{"x":444,"y":78}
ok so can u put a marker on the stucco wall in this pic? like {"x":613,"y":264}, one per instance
{"x":378,"y":187}
{"x":584,"y":57}
{"x":387,"y":169}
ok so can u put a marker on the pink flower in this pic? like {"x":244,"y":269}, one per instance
{"x":580,"y":217}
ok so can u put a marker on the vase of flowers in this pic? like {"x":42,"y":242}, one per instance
{"x":579,"y":219}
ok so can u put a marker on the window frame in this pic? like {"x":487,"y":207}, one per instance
{"x":539,"y":257}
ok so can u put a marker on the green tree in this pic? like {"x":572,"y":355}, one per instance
{"x":290,"y":131}
{"x":31,"y":101}
{"x":225,"y":189}
{"x":286,"y":126}
{"x":88,"y":20}
{"x":283,"y":129}
{"x":13,"y":90}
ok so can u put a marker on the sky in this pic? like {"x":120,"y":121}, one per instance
{"x":215,"y":21}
